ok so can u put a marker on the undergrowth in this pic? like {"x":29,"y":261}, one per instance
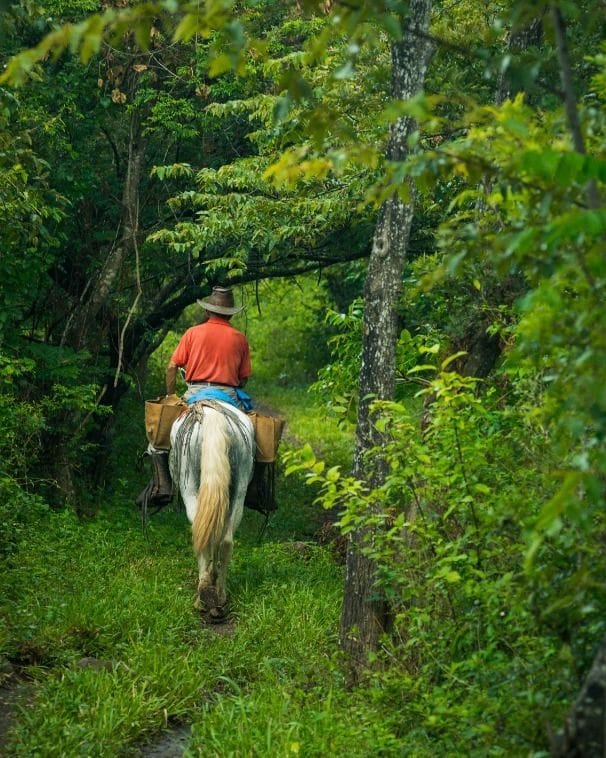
{"x":98,"y":616}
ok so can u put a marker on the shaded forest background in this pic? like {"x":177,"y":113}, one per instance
{"x":152,"y":151}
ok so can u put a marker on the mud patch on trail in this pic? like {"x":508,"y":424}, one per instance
{"x":13,"y":693}
{"x":226,"y":629}
{"x":170,"y":745}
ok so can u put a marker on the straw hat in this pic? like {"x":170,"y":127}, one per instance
{"x":221,"y":301}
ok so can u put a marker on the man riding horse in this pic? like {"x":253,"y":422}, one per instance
{"x":216,"y":451}
{"x":216,"y":359}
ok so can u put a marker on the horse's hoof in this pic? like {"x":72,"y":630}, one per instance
{"x":218,"y":614}
{"x":207,"y":599}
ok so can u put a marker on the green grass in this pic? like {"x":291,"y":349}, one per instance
{"x":103,"y":592}
{"x":308,"y":422}
{"x":103,"y":589}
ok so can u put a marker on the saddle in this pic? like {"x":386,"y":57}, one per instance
{"x":161,"y":413}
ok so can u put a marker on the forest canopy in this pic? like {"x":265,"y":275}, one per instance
{"x":422,"y":183}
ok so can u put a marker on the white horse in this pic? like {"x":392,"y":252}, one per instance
{"x":211,"y":459}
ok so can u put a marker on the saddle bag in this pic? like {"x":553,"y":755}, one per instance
{"x":160,"y":414}
{"x":261,"y":495}
{"x":268,"y":431}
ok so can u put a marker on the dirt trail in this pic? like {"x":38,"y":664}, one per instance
{"x":171,"y":745}
{"x":13,"y":693}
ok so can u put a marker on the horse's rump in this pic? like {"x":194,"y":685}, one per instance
{"x":211,"y":459}
{"x":213,"y":495}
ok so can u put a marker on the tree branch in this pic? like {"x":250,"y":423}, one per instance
{"x":117,"y":162}
{"x":570,"y":101}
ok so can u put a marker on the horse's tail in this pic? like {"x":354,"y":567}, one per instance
{"x":213,"y":496}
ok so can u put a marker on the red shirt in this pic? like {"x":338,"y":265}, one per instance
{"x":214,"y":351}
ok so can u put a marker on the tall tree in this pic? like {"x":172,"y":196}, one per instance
{"x":365,"y":614}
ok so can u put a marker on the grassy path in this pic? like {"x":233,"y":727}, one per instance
{"x":108,"y":633}
{"x":99,"y":618}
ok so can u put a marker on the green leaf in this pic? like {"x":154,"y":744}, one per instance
{"x":142,"y":33}
{"x":543,"y":163}
{"x":521,"y":242}
{"x":91,"y":42}
{"x":444,"y":365}
{"x":452,"y":577}
{"x":333,"y":474}
{"x":569,"y":168}
{"x":555,"y":507}
{"x":219,"y":65}
{"x":392,"y":26}
{"x":430,"y":349}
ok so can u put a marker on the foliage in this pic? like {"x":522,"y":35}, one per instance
{"x":448,"y":532}
{"x":535,"y":221}
{"x":28,"y":210}
{"x":277,"y":206}
{"x":492,"y":510}
{"x":337,"y":380}
{"x":41,"y":392}
{"x":125,"y":598}
{"x":126,"y":137}
{"x":286,"y":333}
{"x":435,"y":319}
{"x":266,"y":128}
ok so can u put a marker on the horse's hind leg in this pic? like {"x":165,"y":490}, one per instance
{"x":207,"y":594}
{"x":223,"y":558}
{"x":212,"y":599}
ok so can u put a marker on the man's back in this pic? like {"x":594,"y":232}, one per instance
{"x":214,"y":351}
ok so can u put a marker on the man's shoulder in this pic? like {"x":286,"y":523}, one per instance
{"x":223,"y":323}
{"x":190,"y":334}
{"x":197,"y":328}
{"x":217,"y":327}
{"x":241,"y":336}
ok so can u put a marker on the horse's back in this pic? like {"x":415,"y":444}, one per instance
{"x":189,"y":455}
{"x":217,"y":410}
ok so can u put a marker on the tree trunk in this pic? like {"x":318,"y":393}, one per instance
{"x":91,"y":325}
{"x":584,"y":734}
{"x":569,"y":96}
{"x":519,"y":41}
{"x":365,"y":614}
{"x":86,"y":321}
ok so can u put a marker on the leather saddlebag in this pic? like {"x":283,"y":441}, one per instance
{"x":268,"y":430}
{"x":160,"y":415}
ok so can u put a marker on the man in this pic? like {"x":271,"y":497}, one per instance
{"x":216,"y":358}
{"x":213,"y":353}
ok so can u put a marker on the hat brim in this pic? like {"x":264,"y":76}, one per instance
{"x":220,"y":309}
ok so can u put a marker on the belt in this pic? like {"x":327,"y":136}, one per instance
{"x":210,"y":384}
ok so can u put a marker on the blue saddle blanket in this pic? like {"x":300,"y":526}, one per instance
{"x":244,"y":401}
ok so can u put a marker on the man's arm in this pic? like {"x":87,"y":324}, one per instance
{"x":171,"y":378}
